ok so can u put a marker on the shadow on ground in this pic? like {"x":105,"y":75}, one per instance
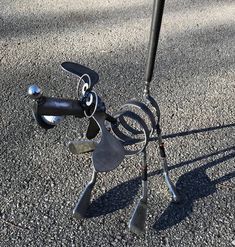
{"x":117,"y":198}
{"x":191,"y":186}
{"x":49,"y":22}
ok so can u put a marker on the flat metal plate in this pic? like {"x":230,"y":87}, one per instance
{"x":109,"y":152}
{"x":93,"y":129}
{"x":80,"y":70}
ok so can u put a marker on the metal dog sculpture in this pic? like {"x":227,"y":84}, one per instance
{"x":124,"y":133}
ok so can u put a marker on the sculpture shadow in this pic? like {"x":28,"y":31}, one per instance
{"x":196,"y":131}
{"x":117,"y":198}
{"x":192,"y":186}
{"x":51,"y":22}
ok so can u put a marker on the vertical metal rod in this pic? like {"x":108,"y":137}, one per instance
{"x":144,"y":177}
{"x":169,"y":183}
{"x":158,"y":8}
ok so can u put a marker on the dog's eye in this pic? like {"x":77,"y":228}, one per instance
{"x":89,"y":99}
{"x":85,"y":88}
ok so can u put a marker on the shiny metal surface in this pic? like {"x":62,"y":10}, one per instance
{"x":138,"y":220}
{"x":53,"y":120}
{"x":150,"y":101}
{"x":170,"y":185}
{"x":82,"y":205}
{"x":85,"y":87}
{"x":92,"y":101}
{"x":34,"y":92}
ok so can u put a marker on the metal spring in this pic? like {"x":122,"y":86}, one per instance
{"x":146,"y":130}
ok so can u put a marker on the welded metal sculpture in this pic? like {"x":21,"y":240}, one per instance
{"x":125,"y":133}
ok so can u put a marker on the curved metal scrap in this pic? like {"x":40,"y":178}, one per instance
{"x":150,"y":100}
{"x":80,"y":70}
{"x":141,"y":106}
{"x":128,"y":139}
{"x":93,"y":129}
{"x":109,"y":152}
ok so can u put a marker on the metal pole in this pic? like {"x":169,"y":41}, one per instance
{"x":158,"y":8}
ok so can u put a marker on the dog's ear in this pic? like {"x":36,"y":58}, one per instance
{"x":80,"y":70}
{"x":93,"y":129}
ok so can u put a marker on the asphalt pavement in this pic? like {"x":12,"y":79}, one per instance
{"x":194,"y":84}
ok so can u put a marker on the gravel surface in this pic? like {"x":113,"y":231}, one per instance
{"x":194,"y":84}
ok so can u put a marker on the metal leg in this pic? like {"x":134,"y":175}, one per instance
{"x":137,"y":222}
{"x":169,"y":183}
{"x":84,"y":200}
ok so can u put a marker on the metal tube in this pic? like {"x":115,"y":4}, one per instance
{"x":158,"y":8}
{"x":59,"y":107}
{"x":144,"y":176}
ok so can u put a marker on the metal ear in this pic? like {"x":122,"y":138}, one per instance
{"x":93,"y":129}
{"x":109,"y":152}
{"x":79,"y":70}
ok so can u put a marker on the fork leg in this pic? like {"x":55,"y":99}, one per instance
{"x":137,"y":222}
{"x":169,"y":183}
{"x":83,"y":203}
